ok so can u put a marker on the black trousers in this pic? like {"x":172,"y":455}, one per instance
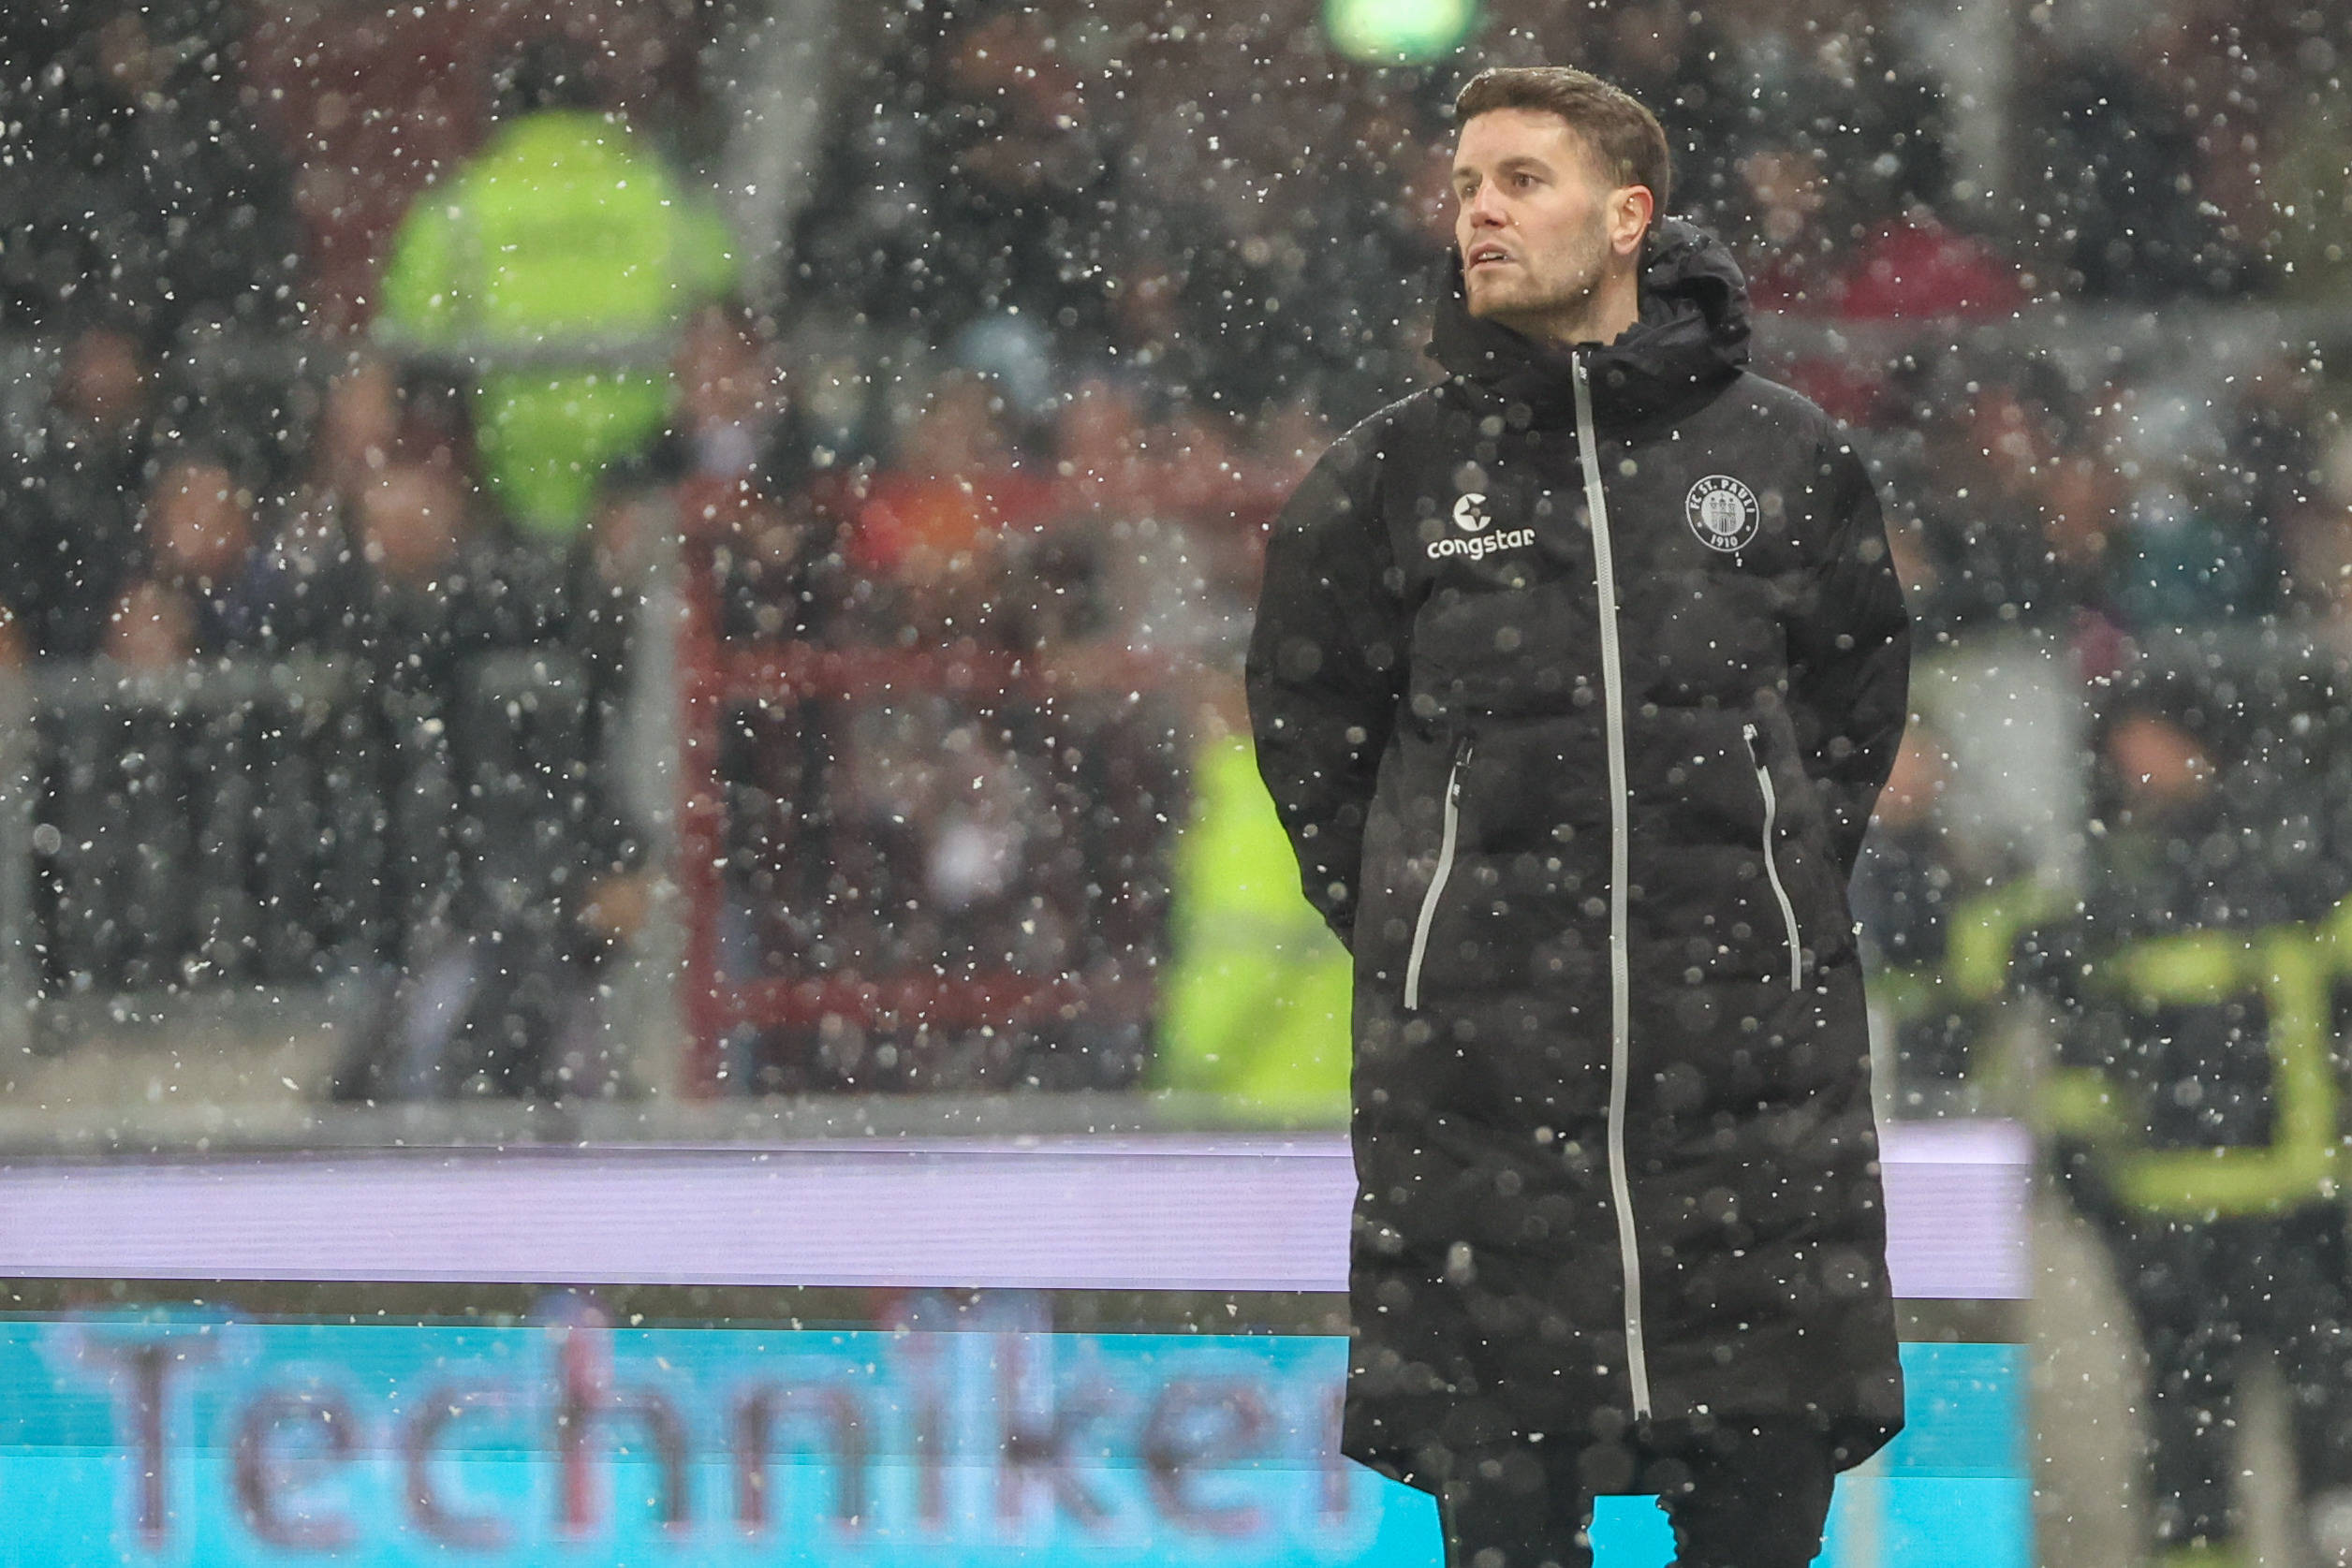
{"x":2209,"y":1295}
{"x":1739,"y":1495}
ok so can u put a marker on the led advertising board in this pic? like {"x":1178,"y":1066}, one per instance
{"x":177,"y":1439}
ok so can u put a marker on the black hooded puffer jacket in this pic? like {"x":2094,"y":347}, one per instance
{"x":1576,"y":678}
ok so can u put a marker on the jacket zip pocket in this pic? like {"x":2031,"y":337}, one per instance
{"x":1437,"y":879}
{"x":1771,"y":862}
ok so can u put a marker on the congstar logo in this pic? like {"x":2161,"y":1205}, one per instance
{"x":1470,"y":516}
{"x":1479,"y":545}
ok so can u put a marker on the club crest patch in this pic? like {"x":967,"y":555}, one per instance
{"x":1723,"y":513}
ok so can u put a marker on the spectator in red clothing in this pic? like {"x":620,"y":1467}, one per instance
{"x":1100,"y":449}
{"x":1913,"y":266}
{"x":1909,"y":266}
{"x":931,"y":526}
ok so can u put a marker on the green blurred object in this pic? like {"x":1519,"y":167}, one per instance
{"x":559,"y":232}
{"x":1256,"y":999}
{"x":1397,"y":32}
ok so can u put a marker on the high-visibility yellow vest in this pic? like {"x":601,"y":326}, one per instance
{"x":2290,"y":973}
{"x":1254,"y":1003}
{"x":560,"y":231}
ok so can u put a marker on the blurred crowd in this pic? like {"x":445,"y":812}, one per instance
{"x":407,"y":344}
{"x":412,"y":436}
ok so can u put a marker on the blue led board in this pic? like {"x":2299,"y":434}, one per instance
{"x":175,"y":1440}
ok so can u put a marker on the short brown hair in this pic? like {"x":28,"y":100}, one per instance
{"x":1625,"y":137}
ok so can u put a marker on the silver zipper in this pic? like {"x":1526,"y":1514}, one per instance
{"x":1437,"y":879}
{"x":1772,"y":862}
{"x":1620,"y":977}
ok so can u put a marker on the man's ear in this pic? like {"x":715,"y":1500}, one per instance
{"x":1630,"y":212}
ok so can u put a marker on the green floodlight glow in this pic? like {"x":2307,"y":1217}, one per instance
{"x":1397,"y":32}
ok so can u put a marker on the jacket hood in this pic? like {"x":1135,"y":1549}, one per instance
{"x":1692,"y":337}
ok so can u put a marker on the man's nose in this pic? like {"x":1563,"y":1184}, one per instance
{"x":1485,"y":208}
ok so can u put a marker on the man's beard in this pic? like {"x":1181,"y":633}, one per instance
{"x":1526,"y":310}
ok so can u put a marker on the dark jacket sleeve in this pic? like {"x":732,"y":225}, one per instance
{"x":1849,"y":652}
{"x":1326,"y":667}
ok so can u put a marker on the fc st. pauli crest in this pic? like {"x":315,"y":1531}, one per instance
{"x":1723,"y":513}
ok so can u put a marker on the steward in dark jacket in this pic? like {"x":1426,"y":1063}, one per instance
{"x":1575,"y":677}
{"x":2196,"y":1111}
{"x":496,"y":671}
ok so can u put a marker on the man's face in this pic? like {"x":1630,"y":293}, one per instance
{"x":199,"y":522}
{"x":1532,"y":216}
{"x":102,"y":380}
{"x":411,"y":521}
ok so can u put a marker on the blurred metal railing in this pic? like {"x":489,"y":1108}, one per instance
{"x":172,"y":833}
{"x":188,"y":826}
{"x":271,"y":827}
{"x":17,"y":977}
{"x":849,"y":929}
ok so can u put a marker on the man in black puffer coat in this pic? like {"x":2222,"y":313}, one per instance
{"x":1575,"y":677}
